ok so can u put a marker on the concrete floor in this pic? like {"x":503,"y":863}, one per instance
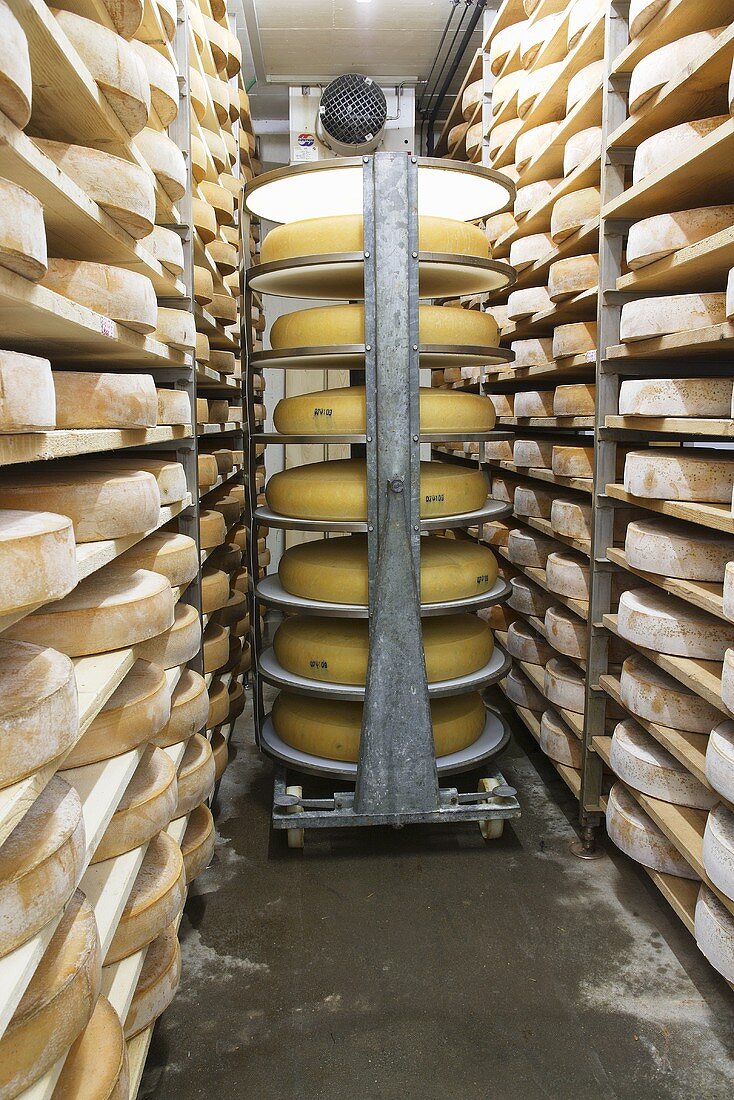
{"x":383,"y":965}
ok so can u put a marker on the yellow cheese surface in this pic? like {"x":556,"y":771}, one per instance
{"x":331,"y":412}
{"x":197,"y":846}
{"x":157,"y":983}
{"x":96,"y":1067}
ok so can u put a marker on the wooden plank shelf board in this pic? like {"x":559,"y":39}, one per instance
{"x":673,"y":425}
{"x":585,"y":240}
{"x":509,"y":12}
{"x":582,"y":307}
{"x":708,"y":597}
{"x":715,"y":340}
{"x":695,"y":177}
{"x":538,"y":219}
{"x":716,"y":516}
{"x":218,"y":429}
{"x":546,"y":421}
{"x":221,"y":480}
{"x":582,"y":546}
{"x":137,"y":1053}
{"x":570,"y":776}
{"x":219,"y":338}
{"x":580,"y":484}
{"x":579,"y":607}
{"x":675,"y":20}
{"x":547,"y":164}
{"x":701,"y":677}
{"x":698,"y":267}
{"x":570,"y":367}
{"x":67,"y":442}
{"x":120,"y":979}
{"x":208,"y":379}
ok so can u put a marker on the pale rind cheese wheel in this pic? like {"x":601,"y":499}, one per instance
{"x":533,"y":453}
{"x":534,"y":85}
{"x":727,"y":681}
{"x":525,"y":644}
{"x":162,"y":79}
{"x":115,"y":66}
{"x":215,"y":647}
{"x":580,"y":147}
{"x":169,"y":553}
{"x":564,"y":685}
{"x":641,"y":13}
{"x":522,"y":692}
{"x":195,"y":775}
{"x":714,"y":931}
{"x":15,"y":69}
{"x":572,"y":276}
{"x":637,"y":835}
{"x":654,"y":238}
{"x":85,"y":399}
{"x":224,"y":256}
{"x":177,"y":329}
{"x":146,"y":807}
{"x":720,"y":760}
{"x":583,"y":83}
{"x":575,"y":400}
{"x":558,"y":742}
{"x":220,"y":749}
{"x":178,"y":643}
{"x":189,"y":710}
{"x":528,"y":548}
{"x":529,"y":501}
{"x":214,"y":142}
{"x":199,"y":160}
{"x":654,"y":696}
{"x":532,"y":140}
{"x":212,"y":528}
{"x":331,"y":729}
{"x":503,"y":43}
{"x":568,"y":575}
{"x":643,"y":764}
{"x":165,"y":160}
{"x":173,"y":407}
{"x":335,"y":570}
{"x":526,"y":251}
{"x":495,"y":227}
{"x":505,"y":90}
{"x":37,"y":558}
{"x":156,"y":899}
{"x":500,"y":137}
{"x":220,"y":199}
{"x":170,"y":475}
{"x":126,"y":296}
{"x":566,"y":632}
{"x":534,"y":403}
{"x":729,"y":590}
{"x":504,"y":403}
{"x":205,"y":221}
{"x":704,"y":397}
{"x":527,"y":598}
{"x":197,"y":846}
{"x":22,"y":232}
{"x":535,"y":351}
{"x":214,"y":590}
{"x":344,"y":233}
{"x":581,"y":15}
{"x":652,"y":317}
{"x":718,"y":849}
{"x":535,"y":34}
{"x":498,"y":451}
{"x":218,"y":705}
{"x":40,"y":864}
{"x":574,"y":339}
{"x":96,"y":1067}
{"x":197,"y":93}
{"x":157,"y":983}
{"x":572,"y":211}
{"x":203,"y":285}
{"x":523,"y":303}
{"x":338,"y":490}
{"x":27,"y":398}
{"x":573,"y":461}
{"x":659,"y":622}
{"x":336,"y":650}
{"x":206,"y":463}
{"x":136,"y":711}
{"x":531,"y":195}
{"x":672,"y":549}
{"x":655,"y":152}
{"x":57,"y":1004}
{"x":654,"y":70}
{"x":502,"y":488}
{"x":571,"y":518}
{"x":224,"y":308}
{"x":699,"y":475}
{"x":343,"y":411}
{"x":472,"y":96}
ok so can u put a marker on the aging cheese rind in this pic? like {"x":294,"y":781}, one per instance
{"x":580,"y":147}
{"x":572,"y":211}
{"x":654,"y":696}
{"x":671,"y":549}
{"x":663,"y":234}
{"x":529,"y":501}
{"x":637,"y":835}
{"x":528,"y":598}
{"x":718,"y":849}
{"x":564,"y":685}
{"x":566,"y":632}
{"x":574,"y":339}
{"x":27,"y":399}
{"x":693,"y":475}
{"x":85,"y":399}
{"x":22,"y":232}
{"x":533,"y":352}
{"x":146,"y":807}
{"x":189,"y":710}
{"x":661,"y":623}
{"x":157,"y":983}
{"x":571,"y":518}
{"x":720,"y":759}
{"x":169,"y":553}
{"x":523,"y":303}
{"x":654,"y":70}
{"x":654,"y":153}
{"x":532,"y":140}
{"x":699,"y":397}
{"x":714,"y":931}
{"x":578,"y":399}
{"x":521,"y":691}
{"x":15,"y":69}
{"x":525,"y":644}
{"x":558,"y":742}
{"x":527,"y":548}
{"x":195,"y":775}
{"x":572,"y":276}
{"x":176,"y":644}
{"x":126,"y":296}
{"x":96,"y":1067}
{"x":652,"y":317}
{"x":643,"y":764}
{"x":37,"y":558}
{"x":156,"y":899}
{"x":197,"y":846}
{"x":162,"y":79}
{"x":165,"y":160}
{"x":568,"y":575}
{"x":343,"y":411}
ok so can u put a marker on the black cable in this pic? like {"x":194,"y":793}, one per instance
{"x":454,"y":6}
{"x":453,"y":40}
{"x":476,"y":15}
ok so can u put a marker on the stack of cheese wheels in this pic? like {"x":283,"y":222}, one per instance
{"x":637,"y":835}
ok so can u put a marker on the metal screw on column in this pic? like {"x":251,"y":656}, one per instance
{"x":366,"y":255}
{"x":414,"y":160}
{"x":397,"y":485}
{"x":415,"y":347}
{"x":370,"y":528}
{"x":416,"y":527}
{"x":415,"y":438}
{"x":369,"y":438}
{"x":368,"y":347}
{"x":415,"y":255}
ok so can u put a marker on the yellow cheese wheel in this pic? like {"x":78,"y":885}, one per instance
{"x":220,"y":751}
{"x":58,"y":1003}
{"x":165,"y":160}
{"x":237,"y":697}
{"x":167,"y":247}
{"x":189,"y":710}
{"x":335,"y":570}
{"x":156,"y":899}
{"x":574,"y":339}
{"x":15,"y":69}
{"x":336,"y":650}
{"x":176,"y":328}
{"x":37,"y":558}
{"x":331,"y":728}
{"x":133,"y":714}
{"x":214,"y":590}
{"x":196,"y":775}
{"x":197,"y":846}
{"x":169,"y":553}
{"x":170,"y":476}
{"x":162,"y":79}
{"x":126,"y":296}
{"x":338,"y":490}
{"x":177,"y":644}
{"x":22,"y":232}
{"x":157,"y":983}
{"x":344,"y":233}
{"x":218,"y":705}
{"x":85,"y":399}
{"x":212,"y":528}
{"x":331,"y":412}
{"x":572,"y":276}
{"x":40,"y":864}
{"x":96,"y":1067}
{"x":146,"y":807}
{"x":216,"y":647}
{"x":27,"y":399}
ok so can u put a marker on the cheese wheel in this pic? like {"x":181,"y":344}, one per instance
{"x":214,"y":590}
{"x":169,"y":553}
{"x":165,"y":160}
{"x":220,"y":199}
{"x":526,"y":251}
{"x":501,"y":136}
{"x":535,"y":453}
{"x":176,"y":328}
{"x":197,"y":92}
{"x":207,"y":469}
{"x":572,"y":211}
{"x":522,"y":692}
{"x":126,"y":296}
{"x":532,"y":140}
{"x":529,"y":501}
{"x":212,"y":528}
{"x":654,"y":696}
{"x":534,"y":86}
{"x":230,"y":509}
{"x":568,"y":575}
{"x":218,"y":705}
{"x":672,"y":549}
{"x":170,"y":475}
{"x":504,"y":91}
{"x":534,"y":352}
{"x":532,"y":195}
{"x":224,"y":362}
{"x":173,"y":407}
{"x":527,"y":548}
{"x":27,"y":400}
{"x":637,"y":835}
{"x":37,"y":558}
{"x":574,"y":339}
{"x":558,"y":742}
{"x":571,"y":518}
{"x":727,"y":681}
{"x":331,"y":728}
{"x":199,"y":161}
{"x":572,"y":276}
{"x":197,"y":846}
{"x":157,"y":983}
{"x":497,"y":226}
{"x":714,"y":931}
{"x":162,"y":79}
{"x":574,"y":400}
{"x":336,"y":650}
{"x":40,"y":864}
{"x":146,"y":807}
{"x":503,"y":43}
{"x":220,"y":749}
{"x":96,"y":1067}
{"x":573,"y":461}
{"x":111,"y":609}
{"x":564,"y":685}
{"x":456,"y":135}
{"x":659,"y":622}
{"x":729,"y":590}
{"x":214,"y":142}
{"x":114,"y":64}
{"x":699,"y":475}
{"x":189,"y":710}
{"x":581,"y":147}
{"x":566,"y":632}
{"x":342,"y":411}
{"x":123,"y":189}
{"x":643,"y":764}
{"x":15,"y":69}
{"x":583,"y":83}
{"x":581,"y":15}
{"x":472,"y":96}
{"x":640,"y":14}
{"x":502,"y":488}
{"x":136,"y":711}
{"x":718,"y":849}
{"x":157,"y":897}
{"x":704,"y":397}
{"x":663,"y":234}
{"x":652,"y":317}
{"x":195,"y":775}
{"x":177,"y":644}
{"x":528,"y":598}
{"x":224,"y":308}
{"x":216,"y":647}
{"x":504,"y":403}
{"x":534,"y":403}
{"x":85,"y":399}
{"x":203,"y":285}
{"x":654,"y":153}
{"x":654,"y":70}
{"x":224,"y":256}
{"x":720,"y":760}
{"x":22,"y":232}
{"x":535,"y":34}
{"x":338,"y":490}
{"x":523,"y":303}
{"x":525,"y":644}
{"x":335,"y":570}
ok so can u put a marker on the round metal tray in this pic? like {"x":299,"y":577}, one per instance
{"x":492,"y":509}
{"x":273,"y":672}
{"x":339,"y":276}
{"x":271,"y":592}
{"x":490,"y":742}
{"x":351,"y":357}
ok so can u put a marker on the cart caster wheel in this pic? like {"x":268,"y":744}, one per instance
{"x":296,"y":837}
{"x":491,"y":830}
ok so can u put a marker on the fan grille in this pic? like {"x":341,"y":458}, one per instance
{"x":353,"y":109}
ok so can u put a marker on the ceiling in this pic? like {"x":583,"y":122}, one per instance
{"x":311,"y":41}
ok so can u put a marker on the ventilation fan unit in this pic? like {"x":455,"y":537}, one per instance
{"x":352,"y":115}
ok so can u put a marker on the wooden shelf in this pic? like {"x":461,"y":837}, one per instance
{"x":698,"y":267}
{"x":65,"y":443}
{"x":708,"y":597}
{"x":535,"y":674}
{"x":692,"y":427}
{"x":676,"y":19}
{"x":551,"y":106}
{"x":221,"y":480}
{"x":538,"y":576}
{"x":510,"y":12}
{"x":581,"y":546}
{"x":208,"y":379}
{"x":218,"y":429}
{"x":455,"y":115}
{"x":570,"y":368}
{"x":570,"y":776}
{"x":538,"y":219}
{"x":715,"y":340}
{"x":582,"y":307}
{"x":580,"y":484}
{"x":585,"y":240}
{"x":546,"y":421}
{"x":716,"y":516}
